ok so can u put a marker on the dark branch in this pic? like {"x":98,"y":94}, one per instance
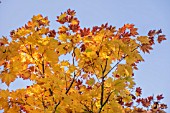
{"x":107,"y":99}
{"x":67,"y":89}
{"x":102,"y":86}
{"x":55,"y":107}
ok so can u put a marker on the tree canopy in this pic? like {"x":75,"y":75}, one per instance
{"x":74,"y":69}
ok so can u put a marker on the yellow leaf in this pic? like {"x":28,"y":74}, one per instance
{"x":7,"y":78}
{"x":143,"y":39}
{"x":74,"y":22}
{"x":63,"y":37}
{"x":44,"y":41}
{"x":62,"y":16}
{"x":72,"y":68}
{"x":65,"y":63}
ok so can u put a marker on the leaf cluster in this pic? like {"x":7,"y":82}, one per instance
{"x":74,"y":69}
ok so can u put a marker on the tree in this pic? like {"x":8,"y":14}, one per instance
{"x":75,"y":70}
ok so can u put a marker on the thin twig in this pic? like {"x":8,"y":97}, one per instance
{"x":67,"y":90}
{"x":107,"y":99}
{"x":55,"y":107}
{"x":114,"y":66}
{"x":119,"y":62}
{"x":87,"y":108}
{"x":102,"y":95}
{"x":103,"y":76}
{"x":29,"y":52}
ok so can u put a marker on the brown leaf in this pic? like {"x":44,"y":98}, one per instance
{"x":151,"y":33}
{"x":146,"y":48}
{"x":161,"y":38}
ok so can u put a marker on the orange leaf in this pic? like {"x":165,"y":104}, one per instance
{"x":146,"y":48}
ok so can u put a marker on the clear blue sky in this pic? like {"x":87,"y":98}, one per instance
{"x":153,"y":74}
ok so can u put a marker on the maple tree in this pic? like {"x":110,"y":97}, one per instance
{"x":74,"y":69}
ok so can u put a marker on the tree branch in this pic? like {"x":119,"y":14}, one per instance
{"x":67,"y":90}
{"x":103,"y":76}
{"x":43,"y":69}
{"x":115,"y":65}
{"x":105,"y":66}
{"x":102,"y":95}
{"x":119,"y":62}
{"x":43,"y":103}
{"x":29,"y":52}
{"x":87,"y":108}
{"x":102,"y":87}
{"x":107,"y":99}
{"x":55,"y":107}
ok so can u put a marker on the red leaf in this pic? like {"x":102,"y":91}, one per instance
{"x":151,"y":33}
{"x":138,"y":100}
{"x":159,"y":97}
{"x":161,"y":38}
{"x":71,"y":12}
{"x":85,"y":32}
{"x":52,"y":33}
{"x":129,"y":104}
{"x":138,"y":91}
{"x":150,"y":98}
{"x":74,"y":28}
{"x":163,"y":106}
{"x":145,"y":102}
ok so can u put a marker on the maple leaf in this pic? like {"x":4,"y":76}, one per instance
{"x":161,"y":38}
{"x":151,"y":33}
{"x":75,"y":27}
{"x":74,"y":21}
{"x":85,"y":32}
{"x":52,"y":33}
{"x":146,"y":48}
{"x":3,"y":41}
{"x":150,"y":98}
{"x":62,"y":18}
{"x":145,"y":102}
{"x":90,"y":82}
{"x":62,"y":29}
{"x":143,"y":39}
{"x":129,"y":104}
{"x":159,"y":97}
{"x":7,"y":78}
{"x":163,"y":106}
{"x":71,"y":12}
{"x":138,"y":91}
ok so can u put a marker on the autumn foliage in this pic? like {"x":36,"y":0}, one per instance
{"x":74,"y":69}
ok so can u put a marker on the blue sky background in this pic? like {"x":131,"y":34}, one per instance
{"x":153,"y":74}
